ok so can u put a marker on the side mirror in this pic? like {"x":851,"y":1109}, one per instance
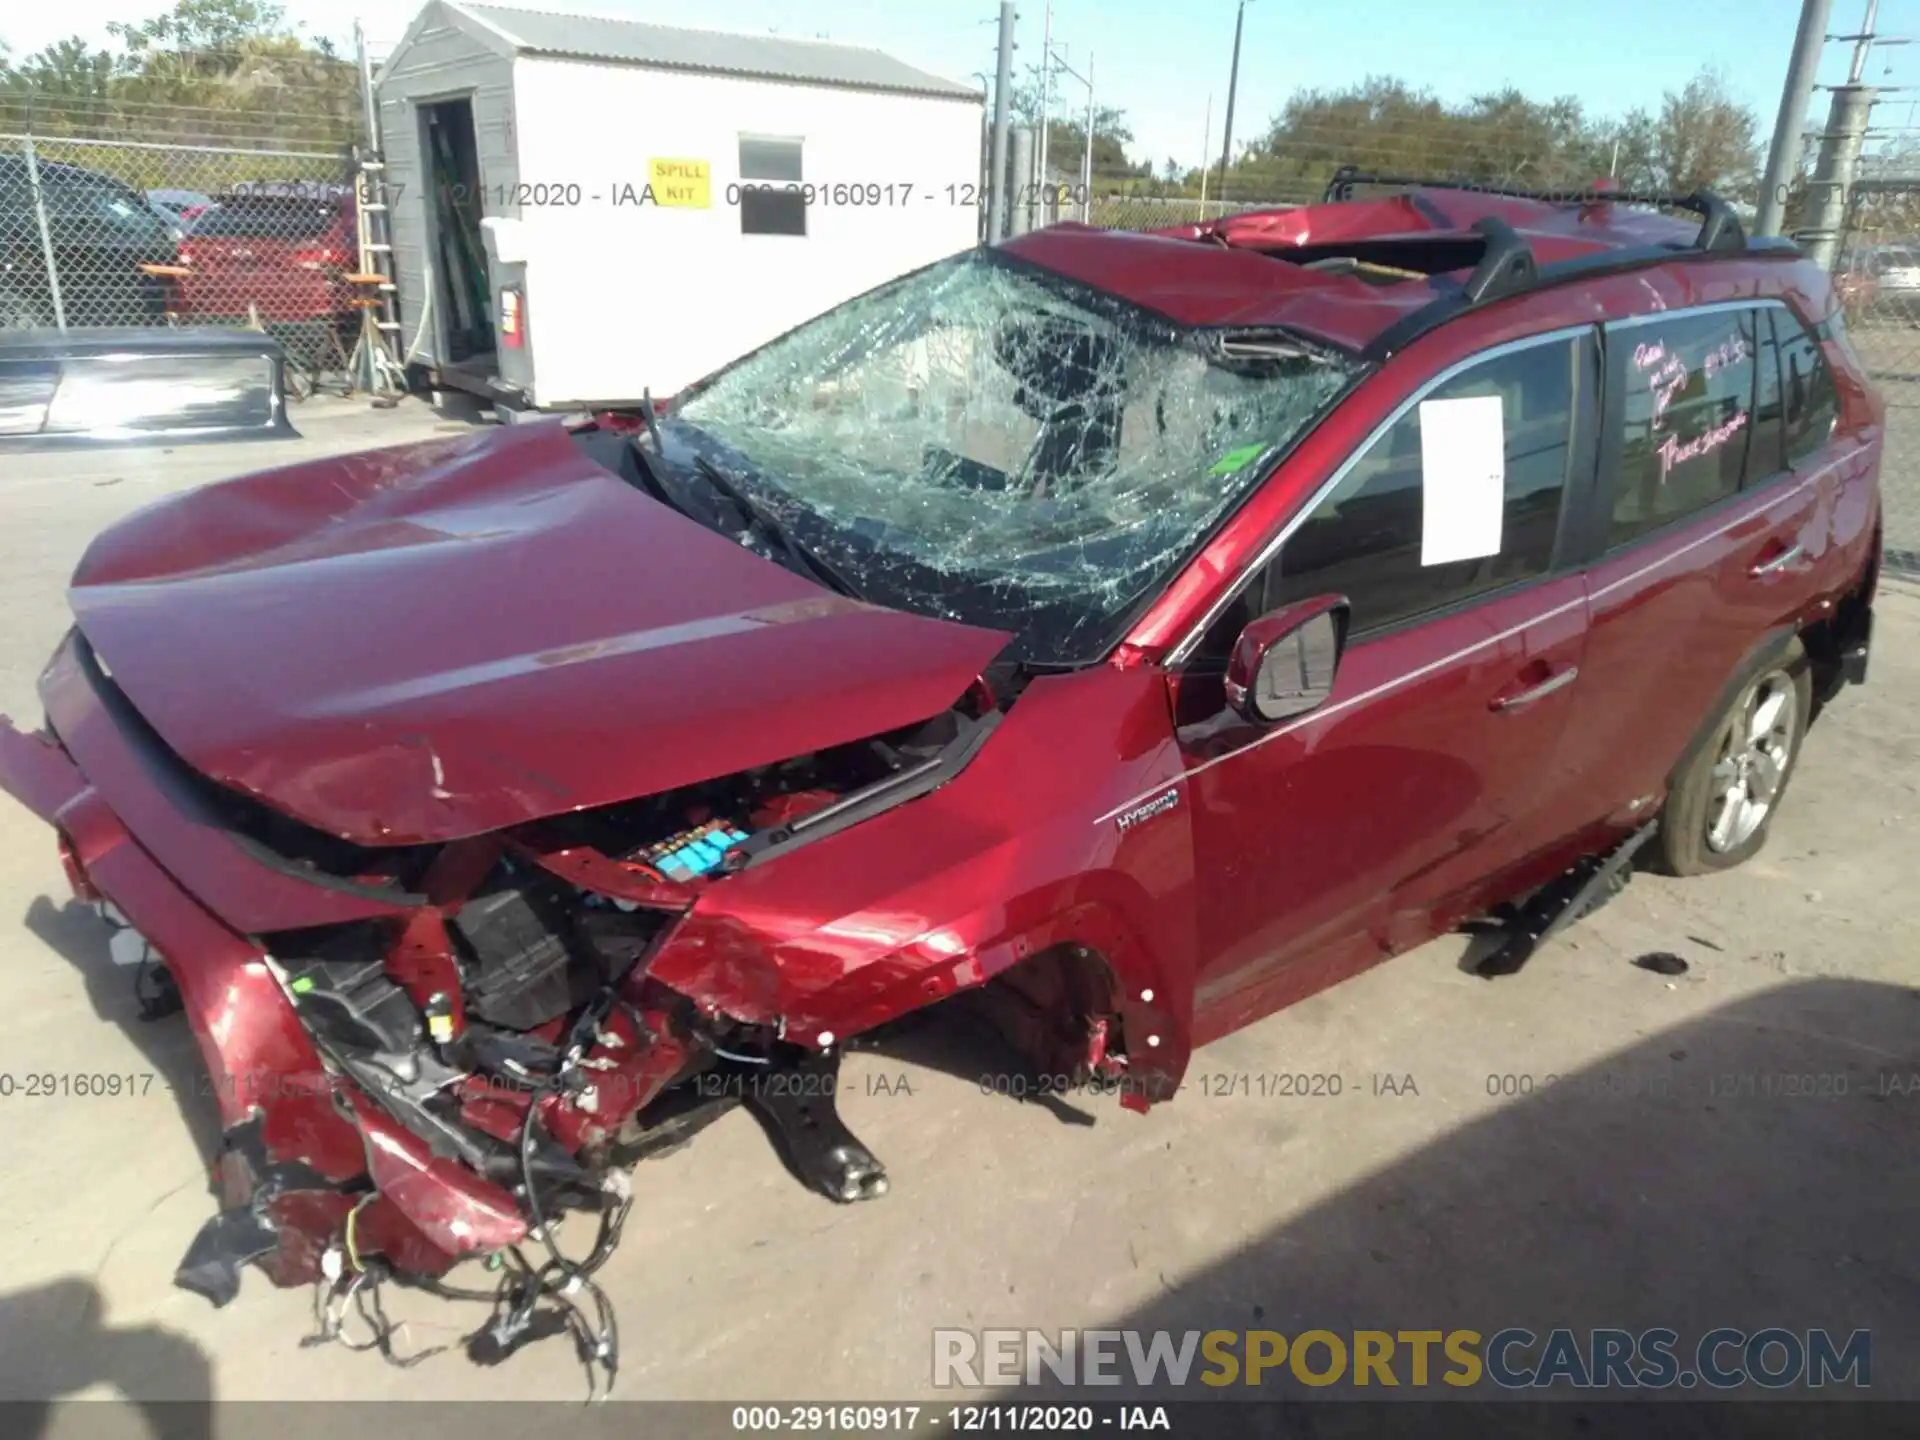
{"x":1283,"y":663}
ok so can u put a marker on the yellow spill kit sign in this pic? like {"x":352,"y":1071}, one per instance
{"x":686,"y":184}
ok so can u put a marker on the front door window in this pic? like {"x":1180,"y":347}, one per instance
{"x":1325,"y":841}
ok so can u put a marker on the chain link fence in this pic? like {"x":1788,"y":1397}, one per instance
{"x":1118,"y":210}
{"x":1876,"y":276}
{"x":116,"y":210}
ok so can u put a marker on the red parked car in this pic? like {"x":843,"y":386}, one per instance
{"x":1142,"y":630}
{"x":277,"y":251}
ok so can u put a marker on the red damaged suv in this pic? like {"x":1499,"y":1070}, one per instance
{"x":1145,"y":630}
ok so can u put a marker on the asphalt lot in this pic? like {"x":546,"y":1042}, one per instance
{"x":1671,"y":1176}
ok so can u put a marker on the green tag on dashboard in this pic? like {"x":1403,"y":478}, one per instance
{"x":1235,"y":459}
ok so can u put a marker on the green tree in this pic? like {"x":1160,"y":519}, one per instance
{"x":205,"y":25}
{"x":1697,"y":136}
{"x":205,"y":71}
{"x":67,"y":69}
{"x":1703,"y":137}
{"x":1066,"y":127}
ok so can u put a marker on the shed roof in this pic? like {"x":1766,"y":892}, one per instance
{"x":769,"y":57}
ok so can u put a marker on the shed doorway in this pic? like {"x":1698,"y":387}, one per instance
{"x":460,"y":285}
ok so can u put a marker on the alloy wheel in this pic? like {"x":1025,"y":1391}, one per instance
{"x":1754,"y":754}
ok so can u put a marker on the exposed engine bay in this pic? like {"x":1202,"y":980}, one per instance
{"x":510,"y":1024}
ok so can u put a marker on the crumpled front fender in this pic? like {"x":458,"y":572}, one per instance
{"x":265,"y":1069}
{"x":836,"y":978}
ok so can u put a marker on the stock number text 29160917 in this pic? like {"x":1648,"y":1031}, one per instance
{"x":834,"y":194}
{"x":861,"y":194}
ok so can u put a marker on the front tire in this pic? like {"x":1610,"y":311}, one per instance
{"x":1725,"y":796}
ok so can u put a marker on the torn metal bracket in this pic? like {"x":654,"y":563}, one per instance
{"x":1584,"y":888}
{"x":669,"y":1125}
{"x":798,"y":1102}
{"x":589,"y":869}
{"x":245,"y":1230}
{"x":850,"y":809}
{"x":211,"y":1266}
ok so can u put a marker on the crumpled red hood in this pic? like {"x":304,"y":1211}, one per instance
{"x":437,"y":640}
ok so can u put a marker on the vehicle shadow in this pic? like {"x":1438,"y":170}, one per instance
{"x":54,"y":1344}
{"x":958,"y":1037}
{"x":1752,"y":1168}
{"x":77,"y":935}
{"x":460,"y":409}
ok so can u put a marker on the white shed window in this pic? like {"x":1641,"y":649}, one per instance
{"x":772,"y":198}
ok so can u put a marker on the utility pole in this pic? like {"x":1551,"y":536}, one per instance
{"x":1002,"y":84}
{"x":1833,"y":172}
{"x":1206,"y":157}
{"x":1838,"y":162}
{"x":1086,"y":179}
{"x":1233,"y":81}
{"x":1046,"y":94}
{"x":1783,"y":156}
{"x":1863,"y":44}
{"x":1020,"y":213}
{"x":1086,"y":160}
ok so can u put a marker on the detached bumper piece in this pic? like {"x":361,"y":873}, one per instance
{"x":90,"y":387}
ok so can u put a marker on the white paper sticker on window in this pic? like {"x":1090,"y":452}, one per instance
{"x":1463,"y":478}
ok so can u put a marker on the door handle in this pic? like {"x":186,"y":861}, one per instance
{"x":1788,"y":559}
{"x":1560,"y":681}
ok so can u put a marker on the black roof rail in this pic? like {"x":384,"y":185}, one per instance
{"x":1506,"y":268}
{"x":1721,"y":232}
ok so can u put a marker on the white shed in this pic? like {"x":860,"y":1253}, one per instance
{"x":586,"y":208}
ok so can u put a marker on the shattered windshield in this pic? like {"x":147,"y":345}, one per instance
{"x":992,"y":444}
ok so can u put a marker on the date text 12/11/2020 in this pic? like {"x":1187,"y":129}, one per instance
{"x":839,"y":194}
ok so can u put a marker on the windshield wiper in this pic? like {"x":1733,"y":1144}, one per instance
{"x":650,"y":471}
{"x":758,"y":512}
{"x":653,"y":468}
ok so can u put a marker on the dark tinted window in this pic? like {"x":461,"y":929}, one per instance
{"x":1812,"y":403}
{"x":1766,"y":452}
{"x":1364,"y":539}
{"x":1689,"y":385}
{"x":269,"y":218}
{"x":82,"y":204}
{"x":771,"y":199}
{"x":769,"y":159}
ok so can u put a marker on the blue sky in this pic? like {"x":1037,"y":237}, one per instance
{"x":1161,"y":61}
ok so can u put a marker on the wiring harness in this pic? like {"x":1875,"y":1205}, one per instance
{"x":531,"y":1301}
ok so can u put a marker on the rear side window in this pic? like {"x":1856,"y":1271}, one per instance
{"x":1688,"y":387}
{"x":1767,"y":451}
{"x":1813,"y":404}
{"x":1369,"y":538}
{"x":82,"y":204}
{"x":269,"y":218}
